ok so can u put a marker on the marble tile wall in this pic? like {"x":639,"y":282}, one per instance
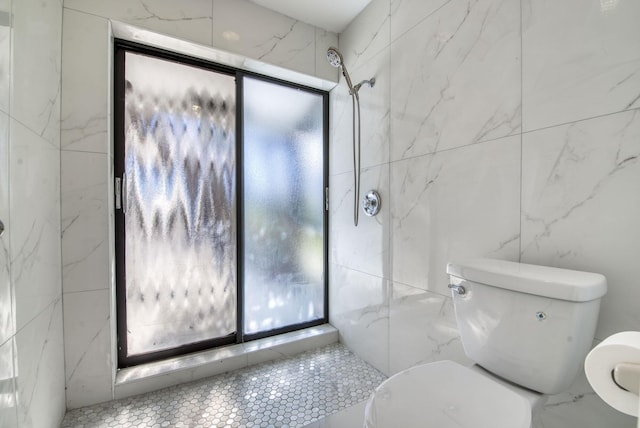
{"x":86,"y":152}
{"x":31,"y":341}
{"x":512,"y":132}
{"x":9,"y":409}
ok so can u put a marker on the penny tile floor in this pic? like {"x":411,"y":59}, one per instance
{"x":291,"y":392}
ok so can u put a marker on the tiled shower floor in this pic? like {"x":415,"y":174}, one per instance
{"x":291,"y":392}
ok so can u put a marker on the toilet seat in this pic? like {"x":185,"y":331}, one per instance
{"x":445,"y":394}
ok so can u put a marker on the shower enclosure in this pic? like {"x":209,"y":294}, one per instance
{"x":220,"y":209}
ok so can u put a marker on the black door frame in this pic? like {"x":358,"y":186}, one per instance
{"x":120,"y":48}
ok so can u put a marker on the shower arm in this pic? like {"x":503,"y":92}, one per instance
{"x":371,"y":82}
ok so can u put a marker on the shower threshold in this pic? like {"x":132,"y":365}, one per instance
{"x":186,"y":368}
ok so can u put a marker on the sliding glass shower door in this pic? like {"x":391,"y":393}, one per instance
{"x":284,"y":205}
{"x":179,"y":205}
{"x":220,"y":205}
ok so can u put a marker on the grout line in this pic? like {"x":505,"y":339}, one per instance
{"x":521,"y":134}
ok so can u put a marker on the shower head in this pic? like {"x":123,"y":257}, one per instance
{"x":335,"y":59}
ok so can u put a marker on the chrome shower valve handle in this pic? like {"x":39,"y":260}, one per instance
{"x":371,"y":203}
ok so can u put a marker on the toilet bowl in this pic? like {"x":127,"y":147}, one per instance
{"x":527,"y":327}
{"x":446,"y":394}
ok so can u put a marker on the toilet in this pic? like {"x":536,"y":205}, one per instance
{"x":528,"y":328}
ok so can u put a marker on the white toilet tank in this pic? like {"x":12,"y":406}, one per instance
{"x":532,"y":325}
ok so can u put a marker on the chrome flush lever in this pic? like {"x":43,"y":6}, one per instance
{"x":459,"y":289}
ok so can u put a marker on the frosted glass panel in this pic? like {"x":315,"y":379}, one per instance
{"x":180,"y":228}
{"x":283,"y":206}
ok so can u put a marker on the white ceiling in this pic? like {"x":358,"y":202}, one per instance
{"x":332,"y":15}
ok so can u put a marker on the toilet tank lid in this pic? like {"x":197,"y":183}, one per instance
{"x":556,"y":283}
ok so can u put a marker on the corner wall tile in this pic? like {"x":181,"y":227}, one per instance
{"x":340,"y":132}
{"x":359,"y":309}
{"x":366,"y":36}
{"x":324,"y":40}
{"x":581,"y":205}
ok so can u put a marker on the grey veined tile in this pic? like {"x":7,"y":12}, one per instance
{"x":292,"y":392}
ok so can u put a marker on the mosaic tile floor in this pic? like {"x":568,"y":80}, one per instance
{"x":291,"y":392}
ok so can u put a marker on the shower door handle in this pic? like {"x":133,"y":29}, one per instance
{"x":125,"y":194}
{"x":120,"y":190}
{"x":1,"y":227}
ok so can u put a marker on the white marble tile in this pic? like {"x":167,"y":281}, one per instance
{"x":324,"y":70}
{"x":248,"y":29}
{"x":7,"y":322}
{"x":5,"y":55}
{"x":365,"y":247}
{"x":367,"y":35}
{"x":35,"y":95}
{"x":580,"y":207}
{"x":340,"y":130}
{"x":456,"y":78}
{"x":580,"y":407}
{"x":453,"y":205}
{"x":40,"y":369}
{"x":84,"y":217}
{"x":35,"y":225}
{"x":187,"y":19}
{"x":358,"y":308}
{"x":422,"y":329}
{"x":374,"y":117}
{"x":405,"y":14}
{"x":593,"y":67}
{"x":88,"y":364}
{"x":84,"y":83}
{"x":8,"y":401}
